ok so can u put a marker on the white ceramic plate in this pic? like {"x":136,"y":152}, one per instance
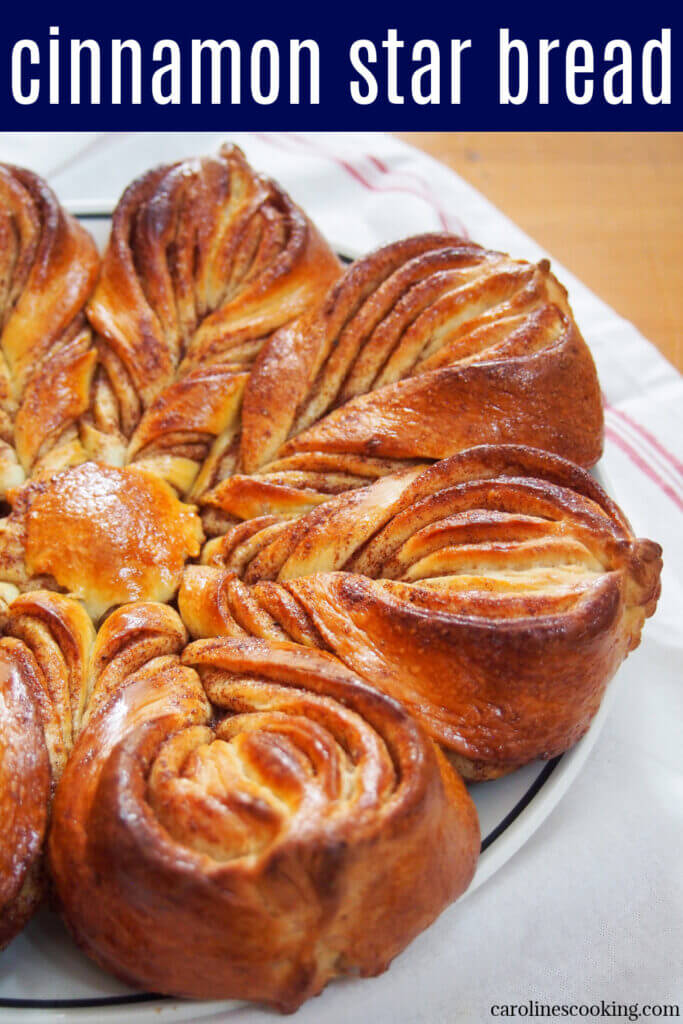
{"x":44,"y":977}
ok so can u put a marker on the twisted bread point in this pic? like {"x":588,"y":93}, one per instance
{"x":48,"y":266}
{"x":206,"y":260}
{"x":494,"y":594}
{"x":301,"y":828}
{"x":44,"y":652}
{"x":423,"y":348}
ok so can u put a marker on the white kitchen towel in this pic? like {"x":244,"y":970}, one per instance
{"x":591,"y":907}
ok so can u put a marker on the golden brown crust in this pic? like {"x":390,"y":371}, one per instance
{"x":270,"y":809}
{"x":206,"y":260}
{"x":24,"y":791}
{"x":192,"y":423}
{"x":424,"y":348}
{"x":494,"y":594}
{"x":48,"y":266}
{"x":44,"y":652}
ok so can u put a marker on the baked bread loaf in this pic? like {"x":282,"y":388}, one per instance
{"x":254,"y":815}
{"x":364,"y":492}
{"x":494,"y":594}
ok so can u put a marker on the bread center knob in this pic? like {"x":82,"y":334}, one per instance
{"x":109,"y":535}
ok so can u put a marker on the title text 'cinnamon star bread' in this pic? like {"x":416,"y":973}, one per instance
{"x":494,"y":594}
{"x":248,"y":820}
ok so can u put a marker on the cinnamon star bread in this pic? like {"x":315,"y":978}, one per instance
{"x":286,"y":548}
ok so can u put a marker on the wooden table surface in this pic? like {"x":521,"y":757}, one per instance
{"x":609,"y":207}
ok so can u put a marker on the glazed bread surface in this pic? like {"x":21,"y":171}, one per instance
{"x":424,"y":348}
{"x":310,"y":825}
{"x":45,"y":646}
{"x":494,"y":593}
{"x":206,"y":260}
{"x":48,"y":267}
